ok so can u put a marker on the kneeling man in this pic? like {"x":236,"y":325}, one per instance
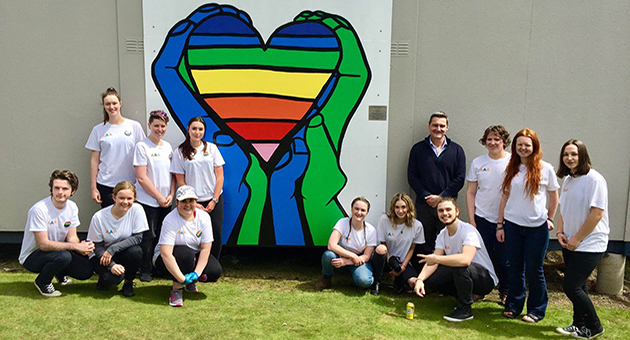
{"x":50,"y":245}
{"x":460,"y":264}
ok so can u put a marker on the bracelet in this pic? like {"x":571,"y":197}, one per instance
{"x":558,"y":233}
{"x":499,"y":228}
{"x":502,"y":222}
{"x":551,"y":220}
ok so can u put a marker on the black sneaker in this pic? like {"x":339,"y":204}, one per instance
{"x":459,"y":314}
{"x":64,"y":281}
{"x":47,"y":290}
{"x":127,"y":289}
{"x":146,"y":277}
{"x":587,"y":333}
{"x":399,"y":286}
{"x":568,"y":330}
{"x":375,"y":289}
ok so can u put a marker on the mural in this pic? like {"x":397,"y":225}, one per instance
{"x":277,"y":110}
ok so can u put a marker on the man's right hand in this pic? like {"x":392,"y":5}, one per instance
{"x":419,"y":288}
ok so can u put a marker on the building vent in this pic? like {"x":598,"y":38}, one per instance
{"x":134,"y":45}
{"x":400,"y":48}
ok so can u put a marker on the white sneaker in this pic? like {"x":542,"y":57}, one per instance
{"x":48,"y":290}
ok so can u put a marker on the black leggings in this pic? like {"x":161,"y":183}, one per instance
{"x":579,"y":266}
{"x":216,"y":216}
{"x":155,"y":217}
{"x":186,"y":259}
{"x":106,"y":195}
{"x":129,"y":258}
{"x":51,"y":264}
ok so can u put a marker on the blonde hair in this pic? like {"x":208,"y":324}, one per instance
{"x":411,"y":210}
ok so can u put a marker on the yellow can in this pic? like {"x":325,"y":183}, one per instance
{"x":411,"y":308}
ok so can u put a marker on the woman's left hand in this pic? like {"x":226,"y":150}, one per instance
{"x":402,"y":270}
{"x":210,"y":206}
{"x":106,"y":258}
{"x":550,"y":225}
{"x":573,"y":243}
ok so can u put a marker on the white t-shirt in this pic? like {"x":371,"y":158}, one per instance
{"x":578,"y":195}
{"x":176,"y":231}
{"x":157,"y":159}
{"x":105,"y":228}
{"x":466,"y":235}
{"x":355,"y":241}
{"x":116,"y":144}
{"x":399,"y":238}
{"x":520,"y":209}
{"x":488,"y":173}
{"x":199,"y":171}
{"x":43,"y":216}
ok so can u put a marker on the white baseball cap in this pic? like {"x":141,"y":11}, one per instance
{"x":185,"y":192}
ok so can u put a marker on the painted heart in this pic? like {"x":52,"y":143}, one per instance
{"x":261,"y":92}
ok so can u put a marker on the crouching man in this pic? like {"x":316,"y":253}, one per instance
{"x":460,"y":264}
{"x":50,"y":245}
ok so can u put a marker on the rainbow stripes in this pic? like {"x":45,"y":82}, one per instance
{"x":262,"y":93}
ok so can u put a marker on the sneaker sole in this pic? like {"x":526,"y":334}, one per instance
{"x":56,"y":293}
{"x":563,"y":332}
{"x":591,"y":337}
{"x":448,"y":318}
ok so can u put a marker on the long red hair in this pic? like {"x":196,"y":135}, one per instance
{"x":534,"y":165}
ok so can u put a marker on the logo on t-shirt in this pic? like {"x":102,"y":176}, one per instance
{"x":182,"y":232}
{"x":484,"y":169}
{"x":447,"y":247}
{"x":565,"y":189}
{"x":127,"y":133}
{"x":199,"y":233}
{"x":108,"y":134}
{"x":206,"y":154}
{"x":170,"y":156}
{"x":67,"y":224}
{"x":390,"y":234}
{"x":53,"y":222}
{"x":112,"y":231}
{"x":155,"y":155}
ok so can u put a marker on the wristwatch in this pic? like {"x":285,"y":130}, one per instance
{"x":216,"y":200}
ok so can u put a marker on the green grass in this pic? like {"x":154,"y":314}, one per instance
{"x":265,"y":296}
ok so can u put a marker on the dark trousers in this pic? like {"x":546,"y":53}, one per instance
{"x":155,"y":217}
{"x":378,"y":263}
{"x":496,"y":251}
{"x":186,"y":261}
{"x":526,"y":249}
{"x":431,"y":226}
{"x":51,"y":264}
{"x":216,"y":216}
{"x":579,"y":266}
{"x":129,"y":258}
{"x":106,"y":195}
{"x":460,"y":282}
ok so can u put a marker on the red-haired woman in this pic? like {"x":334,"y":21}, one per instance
{"x":528,"y":204}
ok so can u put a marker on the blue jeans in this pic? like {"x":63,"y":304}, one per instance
{"x":362,"y":274}
{"x":496,"y":251}
{"x":526,"y":249}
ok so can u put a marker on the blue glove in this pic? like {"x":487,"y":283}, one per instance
{"x":190,"y":278}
